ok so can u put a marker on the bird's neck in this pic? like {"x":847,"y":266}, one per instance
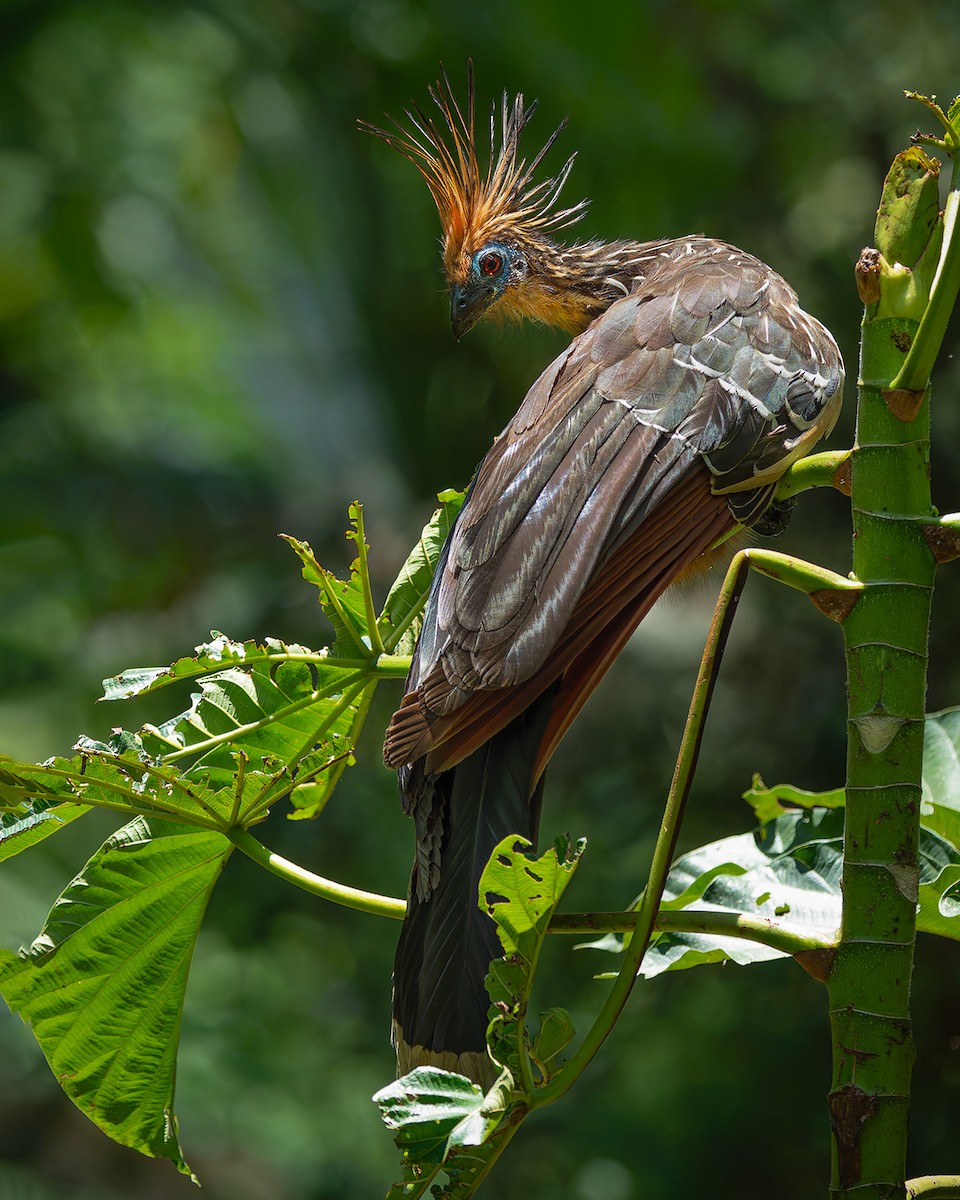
{"x":569,"y":286}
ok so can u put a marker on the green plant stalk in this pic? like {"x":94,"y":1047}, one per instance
{"x":816,"y":470}
{"x":328,"y":889}
{"x":886,"y":653}
{"x":663,"y":851}
{"x":934,"y":1187}
{"x":795,"y":573}
{"x":487,"y":1155}
{"x":692,"y":920}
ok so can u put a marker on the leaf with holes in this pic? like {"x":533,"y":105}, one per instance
{"x":521,"y":892}
{"x":119,"y":776}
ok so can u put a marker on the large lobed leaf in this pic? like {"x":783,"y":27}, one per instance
{"x":273,"y":713}
{"x":103,"y":984}
{"x":789,"y":872}
{"x":277,"y":702}
{"x":119,"y":775}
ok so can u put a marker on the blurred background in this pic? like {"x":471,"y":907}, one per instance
{"x":222,"y":317}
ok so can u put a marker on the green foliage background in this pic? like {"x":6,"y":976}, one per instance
{"x":222,"y":317}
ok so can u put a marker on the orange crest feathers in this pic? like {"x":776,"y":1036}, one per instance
{"x":476,"y":207}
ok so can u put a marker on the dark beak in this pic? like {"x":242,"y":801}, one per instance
{"x":467,"y":306}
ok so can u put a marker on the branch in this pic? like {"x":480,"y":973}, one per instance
{"x":316,"y":885}
{"x":935,"y":1187}
{"x":692,"y":920}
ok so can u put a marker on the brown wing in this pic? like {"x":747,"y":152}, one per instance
{"x":604,"y":487}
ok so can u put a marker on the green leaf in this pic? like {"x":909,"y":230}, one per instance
{"x":909,"y":212}
{"x":212,"y":656}
{"x":770,"y":803}
{"x":119,"y":775}
{"x":31,"y":823}
{"x":103,"y":984}
{"x":400,"y":620}
{"x":432,"y":1111}
{"x":940,"y":804}
{"x":344,"y":602}
{"x":939,"y":910}
{"x":789,"y":872}
{"x":556,"y":1032}
{"x":275,"y":715}
{"x":520,"y":892}
{"x":32,"y":807}
{"x":277,"y":702}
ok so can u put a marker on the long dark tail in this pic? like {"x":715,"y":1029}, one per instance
{"x":439,"y":1000}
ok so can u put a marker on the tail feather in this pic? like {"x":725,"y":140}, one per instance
{"x":440,"y":1004}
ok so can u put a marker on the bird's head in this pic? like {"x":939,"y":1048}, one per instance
{"x":498,"y":256}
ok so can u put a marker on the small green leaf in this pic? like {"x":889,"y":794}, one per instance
{"x":520,"y":891}
{"x":32,"y":806}
{"x":103,"y":984}
{"x":32,"y":822}
{"x":344,"y":602}
{"x":432,"y":1111}
{"x":909,"y":213}
{"x":770,"y":803}
{"x":556,"y":1032}
{"x":939,"y":910}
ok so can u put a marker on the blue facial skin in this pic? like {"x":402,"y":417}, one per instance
{"x":495,"y":266}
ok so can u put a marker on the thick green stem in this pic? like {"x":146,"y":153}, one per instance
{"x":886,"y":646}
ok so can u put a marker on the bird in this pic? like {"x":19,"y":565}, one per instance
{"x":692,"y":382}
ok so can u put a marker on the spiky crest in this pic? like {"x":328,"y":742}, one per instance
{"x":503,"y":203}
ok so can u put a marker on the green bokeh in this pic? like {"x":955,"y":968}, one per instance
{"x":222,"y":317}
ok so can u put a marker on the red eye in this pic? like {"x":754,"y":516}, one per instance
{"x":491,"y":264}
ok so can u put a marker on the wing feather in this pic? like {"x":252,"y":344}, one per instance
{"x":707,"y":379}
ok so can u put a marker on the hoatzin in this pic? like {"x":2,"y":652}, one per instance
{"x":693,"y":382}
